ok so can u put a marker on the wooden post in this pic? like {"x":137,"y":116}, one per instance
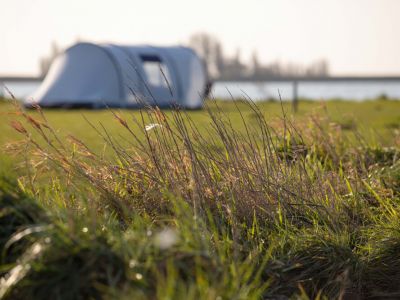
{"x":295,"y":102}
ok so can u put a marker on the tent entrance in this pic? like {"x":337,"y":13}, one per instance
{"x":158,"y":81}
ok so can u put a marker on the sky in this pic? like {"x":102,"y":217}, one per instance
{"x":356,"y":37}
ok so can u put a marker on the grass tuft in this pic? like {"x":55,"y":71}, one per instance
{"x":244,"y":208}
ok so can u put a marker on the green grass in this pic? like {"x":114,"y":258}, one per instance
{"x":381,"y":116}
{"x":233,"y":202}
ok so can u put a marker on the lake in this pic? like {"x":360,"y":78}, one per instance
{"x":318,"y":90}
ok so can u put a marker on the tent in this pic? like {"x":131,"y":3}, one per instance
{"x":90,"y":75}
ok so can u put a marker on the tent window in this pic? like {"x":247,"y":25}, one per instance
{"x":154,"y":69}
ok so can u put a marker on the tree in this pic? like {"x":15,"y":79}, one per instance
{"x":45,"y":62}
{"x":319,"y":68}
{"x":219,"y":59}
{"x":255,"y":64}
{"x":210,"y":50}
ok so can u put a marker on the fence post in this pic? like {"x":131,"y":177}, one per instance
{"x":295,"y":102}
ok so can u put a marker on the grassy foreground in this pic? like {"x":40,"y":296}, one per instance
{"x":234,"y":202}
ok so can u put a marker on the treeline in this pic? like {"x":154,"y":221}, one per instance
{"x":223,"y":67}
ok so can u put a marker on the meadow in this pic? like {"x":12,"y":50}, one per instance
{"x":235,"y":201}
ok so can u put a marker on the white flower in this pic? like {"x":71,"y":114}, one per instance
{"x":166,"y":238}
{"x":151,"y":126}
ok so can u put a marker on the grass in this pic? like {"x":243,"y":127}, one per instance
{"x":381,"y":116}
{"x":233,"y":202}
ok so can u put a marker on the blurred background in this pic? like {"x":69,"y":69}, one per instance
{"x":262,"y":49}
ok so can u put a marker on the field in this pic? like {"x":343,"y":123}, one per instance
{"x":236,"y":201}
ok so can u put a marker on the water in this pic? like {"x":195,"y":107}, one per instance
{"x":359,"y":90}
{"x":352,"y":90}
{"x":20,"y":90}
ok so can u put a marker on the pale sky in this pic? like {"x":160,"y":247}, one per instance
{"x":359,"y":37}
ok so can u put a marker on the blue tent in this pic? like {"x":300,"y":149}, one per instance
{"x":89,"y":75}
